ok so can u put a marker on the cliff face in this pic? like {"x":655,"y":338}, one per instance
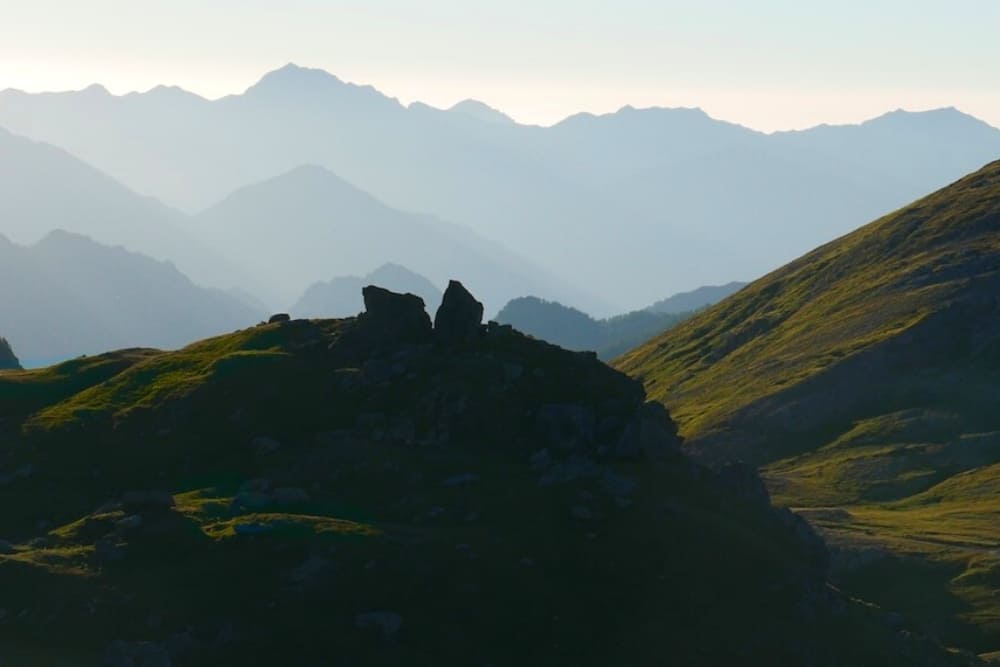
{"x":8,"y":360}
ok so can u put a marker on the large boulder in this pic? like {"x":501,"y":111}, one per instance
{"x":8,"y":362}
{"x":460,"y":316}
{"x":393,"y":317}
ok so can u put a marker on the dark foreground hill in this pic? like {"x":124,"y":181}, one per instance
{"x":863,"y":377}
{"x":373,"y":491}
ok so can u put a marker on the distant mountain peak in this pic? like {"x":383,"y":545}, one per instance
{"x":294,"y":82}
{"x":96,"y":89}
{"x":481,"y":111}
{"x":927,"y":118}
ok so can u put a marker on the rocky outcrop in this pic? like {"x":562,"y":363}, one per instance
{"x":392,"y":317}
{"x":460,"y":316}
{"x":8,"y":361}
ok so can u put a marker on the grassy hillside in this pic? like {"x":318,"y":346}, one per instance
{"x":862,"y":377}
{"x":318,"y":492}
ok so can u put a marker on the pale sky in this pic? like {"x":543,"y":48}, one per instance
{"x":767,"y":64}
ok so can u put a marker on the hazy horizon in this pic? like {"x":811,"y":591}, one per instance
{"x":775,"y":66}
{"x":875,"y":113}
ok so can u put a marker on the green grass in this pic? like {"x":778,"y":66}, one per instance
{"x":23,"y":392}
{"x":851,"y":378}
{"x":846,"y":297}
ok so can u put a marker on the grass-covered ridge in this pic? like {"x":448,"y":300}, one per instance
{"x":838,"y":301}
{"x":863,"y":379}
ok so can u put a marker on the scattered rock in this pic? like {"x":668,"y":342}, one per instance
{"x":289,"y":495}
{"x":257,"y":485}
{"x":130,"y":522}
{"x":462,"y":480}
{"x":459,"y":317}
{"x":394,"y":318}
{"x":650,"y":432}
{"x":743,"y":481}
{"x":137,"y":502}
{"x":107,"y":551}
{"x":263,"y":445}
{"x":387,"y":623}
{"x":566,"y":426}
{"x":136,"y":654}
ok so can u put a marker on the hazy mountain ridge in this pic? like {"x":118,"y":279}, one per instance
{"x":575,"y":330}
{"x":307,"y":224}
{"x":621,"y":204}
{"x":862,"y":377}
{"x":696,"y":299}
{"x":67,"y":295}
{"x":341,"y":296}
{"x":43,"y":188}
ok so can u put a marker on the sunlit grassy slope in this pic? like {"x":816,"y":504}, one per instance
{"x":864,"y":379}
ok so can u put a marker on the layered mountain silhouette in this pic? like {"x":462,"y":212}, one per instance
{"x":696,"y":299}
{"x":378,"y":490}
{"x":620,"y":204}
{"x":341,"y":296}
{"x":67,"y":295}
{"x":8,"y":360}
{"x":43,"y":188}
{"x":575,"y":330}
{"x":308,"y":224}
{"x":862,"y":377}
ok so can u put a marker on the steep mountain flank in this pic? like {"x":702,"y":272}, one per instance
{"x":8,"y":360}
{"x":863,"y":376}
{"x":382,"y":491}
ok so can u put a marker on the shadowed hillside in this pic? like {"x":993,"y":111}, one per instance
{"x":378,"y":491}
{"x":863,"y":378}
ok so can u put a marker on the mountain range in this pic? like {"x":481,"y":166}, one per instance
{"x":341,"y":296}
{"x":575,"y":330}
{"x":626,"y":206}
{"x":862,"y":378}
{"x":308,"y":225}
{"x":66,"y":296}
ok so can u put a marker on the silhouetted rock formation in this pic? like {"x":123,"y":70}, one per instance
{"x":8,"y":361}
{"x":460,"y":315}
{"x":390,"y":316}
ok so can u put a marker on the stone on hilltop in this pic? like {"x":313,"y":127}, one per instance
{"x":460,"y":316}
{"x":395,"y":317}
